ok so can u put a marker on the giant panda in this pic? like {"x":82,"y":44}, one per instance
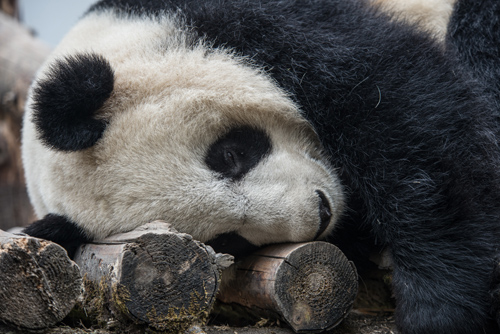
{"x":246,"y":123}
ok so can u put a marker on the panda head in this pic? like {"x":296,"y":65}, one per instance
{"x":139,"y":122}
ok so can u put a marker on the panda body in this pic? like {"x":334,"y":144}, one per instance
{"x":246,"y":123}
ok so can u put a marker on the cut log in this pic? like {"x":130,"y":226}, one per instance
{"x":39,"y":284}
{"x":154,"y":275}
{"x":312,"y":286}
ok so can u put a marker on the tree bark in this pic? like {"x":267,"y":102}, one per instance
{"x":10,"y":7}
{"x":154,"y":275}
{"x":312,"y":286}
{"x":39,"y":284}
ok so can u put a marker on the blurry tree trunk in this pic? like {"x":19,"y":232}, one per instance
{"x":20,"y":56}
{"x":10,"y":7}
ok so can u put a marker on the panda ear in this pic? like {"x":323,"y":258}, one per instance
{"x":66,"y":101}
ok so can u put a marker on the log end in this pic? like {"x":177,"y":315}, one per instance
{"x":172,"y":281}
{"x":315,"y":287}
{"x":39,"y":283}
{"x":312,"y":286}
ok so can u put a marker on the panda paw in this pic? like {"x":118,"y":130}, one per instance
{"x":60,"y":230}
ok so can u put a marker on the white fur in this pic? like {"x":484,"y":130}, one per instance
{"x":431,"y":15}
{"x":170,"y":102}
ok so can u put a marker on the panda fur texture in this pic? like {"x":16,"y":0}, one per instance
{"x":246,"y":123}
{"x":430,"y":15}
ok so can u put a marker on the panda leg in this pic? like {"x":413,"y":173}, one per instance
{"x":474,"y":35}
{"x":443,"y":287}
{"x":60,"y":230}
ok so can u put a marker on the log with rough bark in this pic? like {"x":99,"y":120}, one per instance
{"x":312,"y":286}
{"x":39,"y":284}
{"x":154,"y":275}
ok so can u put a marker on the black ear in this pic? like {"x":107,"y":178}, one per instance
{"x":65,"y":102}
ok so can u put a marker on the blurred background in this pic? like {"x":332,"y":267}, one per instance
{"x":29,"y":29}
{"x":51,"y":19}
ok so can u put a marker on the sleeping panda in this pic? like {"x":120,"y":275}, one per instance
{"x":246,"y":123}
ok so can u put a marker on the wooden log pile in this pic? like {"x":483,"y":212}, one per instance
{"x":163,"y":279}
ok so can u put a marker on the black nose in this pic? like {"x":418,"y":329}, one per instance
{"x":325,"y":213}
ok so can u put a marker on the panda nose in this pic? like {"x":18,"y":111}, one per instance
{"x":325,"y":213}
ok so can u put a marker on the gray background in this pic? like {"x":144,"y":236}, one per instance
{"x":51,"y":19}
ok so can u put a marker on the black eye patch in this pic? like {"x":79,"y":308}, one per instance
{"x":237,"y":152}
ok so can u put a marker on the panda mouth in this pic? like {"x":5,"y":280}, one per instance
{"x":232,"y":243}
{"x":325,"y":213}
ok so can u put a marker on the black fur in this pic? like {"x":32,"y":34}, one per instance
{"x":237,"y":152}
{"x":60,"y":230}
{"x":473,"y":34}
{"x":413,"y":139}
{"x":232,"y":243}
{"x":410,"y":128}
{"x":66,"y":101}
{"x":325,"y":213}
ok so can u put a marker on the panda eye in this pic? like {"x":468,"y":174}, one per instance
{"x":237,"y":152}
{"x":230,"y":158}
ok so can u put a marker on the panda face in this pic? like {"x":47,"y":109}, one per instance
{"x":188,"y":134}
{"x":274,"y":185}
{"x":259,"y":176}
